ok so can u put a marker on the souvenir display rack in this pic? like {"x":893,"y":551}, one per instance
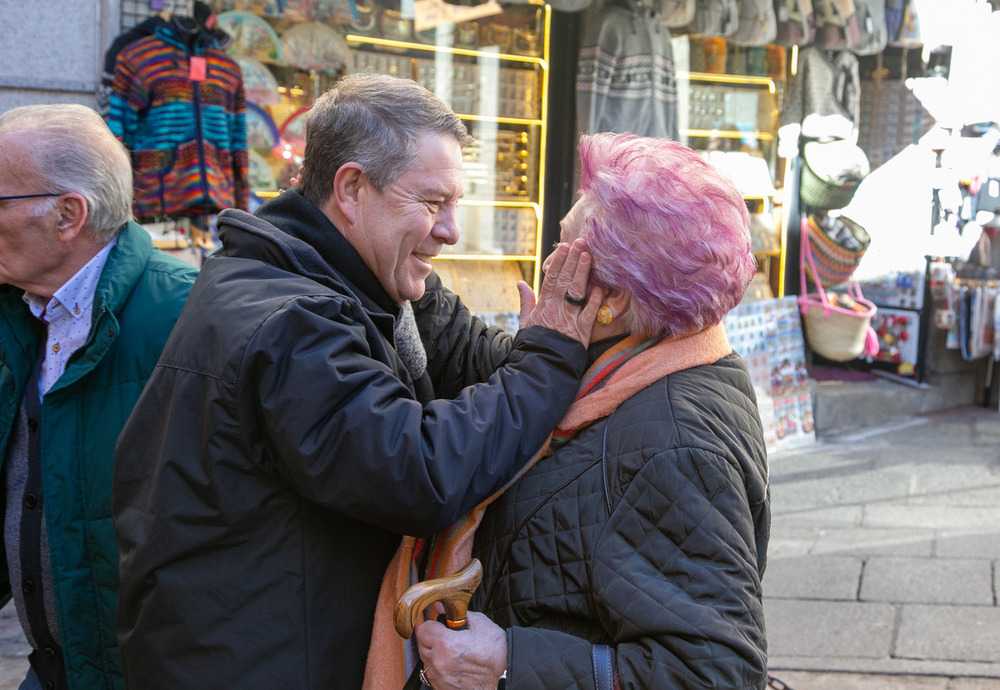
{"x":768,"y":334}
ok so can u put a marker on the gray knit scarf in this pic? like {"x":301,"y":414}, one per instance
{"x":408,"y":345}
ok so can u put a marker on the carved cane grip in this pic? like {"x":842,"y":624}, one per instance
{"x":453,"y":591}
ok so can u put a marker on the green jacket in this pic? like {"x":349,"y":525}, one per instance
{"x":139,"y":297}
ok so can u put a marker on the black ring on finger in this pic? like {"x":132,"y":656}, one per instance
{"x":575,"y":301}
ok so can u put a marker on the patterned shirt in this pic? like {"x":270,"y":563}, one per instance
{"x":68,"y":316}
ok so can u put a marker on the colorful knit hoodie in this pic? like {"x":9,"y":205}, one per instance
{"x":185,"y":126}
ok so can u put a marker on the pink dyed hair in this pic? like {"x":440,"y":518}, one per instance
{"x":666,"y":226}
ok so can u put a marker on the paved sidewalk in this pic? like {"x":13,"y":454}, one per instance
{"x":883,"y":557}
{"x":14,"y":650}
{"x":882,"y":570}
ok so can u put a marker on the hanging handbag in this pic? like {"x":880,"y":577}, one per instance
{"x":894,"y":18}
{"x":831,"y":173}
{"x":836,"y":246}
{"x":796,"y":22}
{"x":909,"y":30}
{"x":873,"y":34}
{"x":757,"y":24}
{"x":676,"y":13}
{"x":836,"y":24}
{"x":836,"y":327}
{"x":715,"y":18}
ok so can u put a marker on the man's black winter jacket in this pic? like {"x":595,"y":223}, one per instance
{"x":278,"y":453}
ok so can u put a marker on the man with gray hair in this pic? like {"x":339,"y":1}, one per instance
{"x":291,"y":433}
{"x":86,"y":304}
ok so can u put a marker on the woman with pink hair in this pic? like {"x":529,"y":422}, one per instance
{"x":630,"y":553}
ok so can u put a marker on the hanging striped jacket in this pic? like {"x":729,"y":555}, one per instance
{"x":187,"y":135}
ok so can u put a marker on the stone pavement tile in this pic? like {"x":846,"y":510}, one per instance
{"x":968,"y":633}
{"x":813,"y":577}
{"x":864,"y":542}
{"x":12,"y":672}
{"x":797,"y":497}
{"x":837,"y":516}
{"x":934,"y":432}
{"x":974,"y":684}
{"x":982,"y":494}
{"x":986,"y":430}
{"x":932,"y":517}
{"x":928,"y":457}
{"x":790,"y":541}
{"x":9,"y":625}
{"x":813,"y":680}
{"x":967,"y":544}
{"x":808,"y":461}
{"x":14,"y":649}
{"x":871,"y":487}
{"x":818,"y":462}
{"x":955,"y":480}
{"x":928,"y":580}
{"x":798,"y":628}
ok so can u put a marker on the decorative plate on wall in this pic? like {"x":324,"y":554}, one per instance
{"x":252,"y":35}
{"x":259,"y":84}
{"x":261,"y":130}
{"x":293,"y":131}
{"x":312,"y":46}
{"x":262,"y":178}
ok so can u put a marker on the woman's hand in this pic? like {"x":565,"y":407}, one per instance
{"x":471,"y":659}
{"x":566,"y":279}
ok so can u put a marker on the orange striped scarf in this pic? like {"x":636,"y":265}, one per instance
{"x":621,"y":372}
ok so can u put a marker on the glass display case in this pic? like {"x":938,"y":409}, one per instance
{"x":489,"y":63}
{"x":732,"y":113}
{"x":734,"y":119}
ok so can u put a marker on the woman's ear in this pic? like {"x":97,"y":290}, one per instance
{"x":618,"y":299}
{"x":611,"y":315}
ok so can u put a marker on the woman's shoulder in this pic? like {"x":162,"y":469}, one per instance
{"x":700,"y":392}
{"x":709,"y":409}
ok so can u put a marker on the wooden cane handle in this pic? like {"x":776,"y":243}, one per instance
{"x":453,"y":591}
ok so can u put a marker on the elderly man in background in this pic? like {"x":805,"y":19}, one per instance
{"x":86,"y":304}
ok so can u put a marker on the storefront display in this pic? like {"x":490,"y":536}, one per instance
{"x":768,"y":334}
{"x":899,"y":296}
{"x":489,"y":63}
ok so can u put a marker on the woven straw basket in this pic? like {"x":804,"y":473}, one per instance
{"x":834,"y":263}
{"x":838,"y":334}
{"x":831,"y":173}
{"x":833,"y":332}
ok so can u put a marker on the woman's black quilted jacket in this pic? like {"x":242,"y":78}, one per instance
{"x":648,"y":533}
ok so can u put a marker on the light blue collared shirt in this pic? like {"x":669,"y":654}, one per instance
{"x":68,"y":317}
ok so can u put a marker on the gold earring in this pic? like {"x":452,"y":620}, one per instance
{"x":605,"y":315}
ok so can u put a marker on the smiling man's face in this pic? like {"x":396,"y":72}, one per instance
{"x":401,"y":229}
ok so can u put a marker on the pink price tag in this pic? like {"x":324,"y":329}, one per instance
{"x":198,"y":68}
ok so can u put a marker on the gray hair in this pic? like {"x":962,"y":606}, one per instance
{"x":376,"y":121}
{"x":72,"y":150}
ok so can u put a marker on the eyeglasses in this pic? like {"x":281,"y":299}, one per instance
{"x":29,"y":196}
